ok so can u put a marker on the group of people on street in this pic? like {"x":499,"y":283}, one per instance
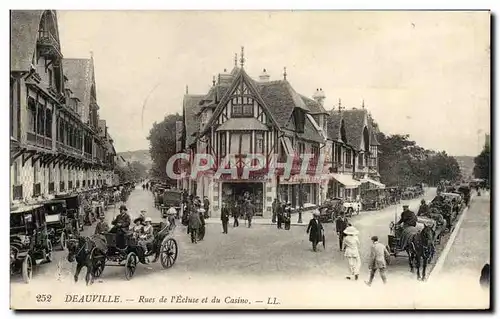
{"x":243,"y":207}
{"x":194,"y":218}
{"x":282,"y":214}
{"x":145,"y":186}
{"x":349,"y":244}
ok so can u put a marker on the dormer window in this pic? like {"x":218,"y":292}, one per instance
{"x":242,"y":107}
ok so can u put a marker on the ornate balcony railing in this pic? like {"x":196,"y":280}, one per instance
{"x":39,"y":140}
{"x":48,"y":45}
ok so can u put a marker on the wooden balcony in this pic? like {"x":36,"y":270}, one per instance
{"x":51,"y":187}
{"x":17,"y":192}
{"x":68,"y":150}
{"x":39,"y":140}
{"x":37,"y":189}
{"x":48,"y":46}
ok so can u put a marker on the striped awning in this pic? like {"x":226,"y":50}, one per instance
{"x":374,"y":182}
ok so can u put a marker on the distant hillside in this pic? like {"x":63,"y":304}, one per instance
{"x":466,"y":164}
{"x":141,"y":156}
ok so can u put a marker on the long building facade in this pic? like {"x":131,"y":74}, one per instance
{"x":58,"y":143}
{"x":241,"y":116}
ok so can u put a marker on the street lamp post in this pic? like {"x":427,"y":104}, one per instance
{"x":300,"y":201}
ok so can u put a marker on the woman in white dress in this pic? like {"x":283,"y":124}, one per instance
{"x":351,"y":252}
{"x":147,"y":235}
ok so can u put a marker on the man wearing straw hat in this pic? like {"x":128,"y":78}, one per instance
{"x":351,"y":251}
{"x":315,"y":231}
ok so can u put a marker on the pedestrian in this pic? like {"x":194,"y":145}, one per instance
{"x":276,"y":205}
{"x":379,"y":258}
{"x":250,"y":208}
{"x":194,"y":225}
{"x":206,"y":206}
{"x":281,"y":213}
{"x":224,"y":217}
{"x":287,"y":217}
{"x":351,"y":251}
{"x":236,"y":214}
{"x":171,"y":216}
{"x":315,"y":231}
{"x":341,"y":224}
{"x":201,"y":231}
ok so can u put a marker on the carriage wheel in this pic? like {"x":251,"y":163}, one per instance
{"x":168,"y":252}
{"x":27,"y":269}
{"x":62,"y":240}
{"x":130,"y":265}
{"x":48,"y":254}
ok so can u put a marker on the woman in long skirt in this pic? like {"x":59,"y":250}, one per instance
{"x":351,"y":252}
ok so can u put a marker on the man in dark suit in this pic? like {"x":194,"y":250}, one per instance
{"x":408,"y":218}
{"x":224,"y":217}
{"x":276,"y":205}
{"x":315,"y":231}
{"x":236,"y":214}
{"x":340,"y":225}
{"x":281,"y":212}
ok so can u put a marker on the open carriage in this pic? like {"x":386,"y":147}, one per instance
{"x":397,"y":234}
{"x":163,"y":247}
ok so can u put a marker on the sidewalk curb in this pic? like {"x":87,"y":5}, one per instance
{"x":442,"y":258}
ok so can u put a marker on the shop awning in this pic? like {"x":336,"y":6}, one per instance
{"x":346,"y":180}
{"x":287,"y":145}
{"x":374,"y":182}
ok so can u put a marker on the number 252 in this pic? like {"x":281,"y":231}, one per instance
{"x":43,"y":298}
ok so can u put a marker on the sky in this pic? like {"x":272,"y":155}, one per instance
{"x":426,"y":74}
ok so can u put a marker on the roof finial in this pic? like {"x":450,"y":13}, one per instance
{"x":363,"y":104}
{"x":236,"y":59}
{"x":187,"y":89}
{"x":213,"y":80}
{"x":242,"y":57}
{"x":284,"y":73}
{"x":91,"y":54}
{"x":340,"y":105}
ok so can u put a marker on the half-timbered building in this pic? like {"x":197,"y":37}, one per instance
{"x":54,"y":148}
{"x":241,"y":116}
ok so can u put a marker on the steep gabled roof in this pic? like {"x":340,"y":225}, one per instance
{"x":281,"y":99}
{"x":313,"y":106}
{"x":23,"y":36}
{"x":78,"y":72}
{"x":333,"y":121}
{"x":354,"y":123}
{"x":310,"y":132}
{"x":191,"y":108}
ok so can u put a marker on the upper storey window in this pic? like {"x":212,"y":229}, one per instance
{"x":242,"y":106}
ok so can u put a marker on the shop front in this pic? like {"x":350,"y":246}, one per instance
{"x":343,"y":186}
{"x":237,"y":191}
{"x":291,"y":191}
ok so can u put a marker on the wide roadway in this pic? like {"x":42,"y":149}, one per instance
{"x":262,"y":249}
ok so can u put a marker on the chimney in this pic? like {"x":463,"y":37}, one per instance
{"x":264,"y":77}
{"x":319,"y":96}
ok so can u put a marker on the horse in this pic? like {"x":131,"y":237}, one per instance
{"x":420,"y":249}
{"x":81,"y":249}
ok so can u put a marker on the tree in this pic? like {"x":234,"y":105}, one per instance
{"x":402,"y":162}
{"x":131,"y":172}
{"x":162,"y":144}
{"x":482,"y":164}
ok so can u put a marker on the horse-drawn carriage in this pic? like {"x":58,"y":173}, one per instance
{"x":449,"y":205}
{"x":107,"y":253}
{"x":29,"y":239}
{"x":171,"y":197}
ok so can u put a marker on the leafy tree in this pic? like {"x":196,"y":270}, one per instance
{"x":162,"y":144}
{"x":403,"y":162}
{"x":482,"y":164}
{"x":131,"y":172}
